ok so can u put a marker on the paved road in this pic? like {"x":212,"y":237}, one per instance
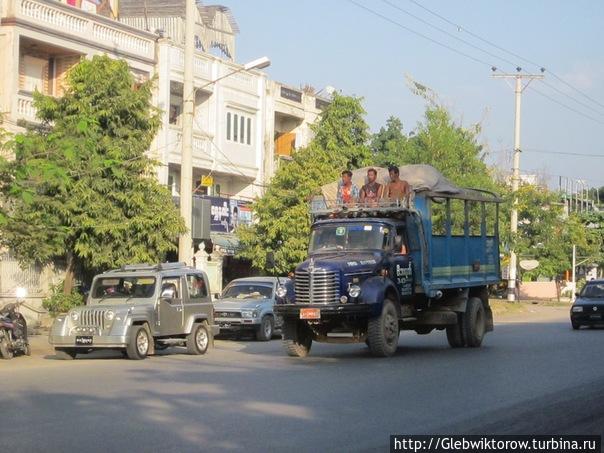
{"x":533,"y":375}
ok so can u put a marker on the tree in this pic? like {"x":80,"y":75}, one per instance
{"x":389,"y":144}
{"x":81,"y":189}
{"x":282,"y":215}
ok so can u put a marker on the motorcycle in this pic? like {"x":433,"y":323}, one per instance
{"x":13,"y":332}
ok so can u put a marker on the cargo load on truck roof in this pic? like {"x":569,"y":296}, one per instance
{"x":423,"y":179}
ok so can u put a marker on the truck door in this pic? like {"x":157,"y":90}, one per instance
{"x":401,"y":268}
{"x":170,"y":306}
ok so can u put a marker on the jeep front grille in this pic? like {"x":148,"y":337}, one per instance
{"x":320,"y":287}
{"x":227,"y":314}
{"x":92,"y":318}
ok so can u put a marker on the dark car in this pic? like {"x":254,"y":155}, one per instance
{"x":588,"y":309}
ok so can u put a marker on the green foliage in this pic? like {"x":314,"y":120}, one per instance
{"x":389,"y":144}
{"x":282,"y":213}
{"x":59,"y":302}
{"x":81,"y":188}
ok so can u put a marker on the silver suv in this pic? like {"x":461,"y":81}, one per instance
{"x":138,"y":309}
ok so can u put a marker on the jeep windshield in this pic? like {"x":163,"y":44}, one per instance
{"x":242,"y":291}
{"x":128,"y":287}
{"x":354,"y":236}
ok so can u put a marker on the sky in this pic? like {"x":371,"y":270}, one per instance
{"x":337,"y":43}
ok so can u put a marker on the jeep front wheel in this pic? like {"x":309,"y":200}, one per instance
{"x":264,"y":332}
{"x":138,"y":346}
{"x":198,"y":340}
{"x":383,"y":331}
{"x":297,"y":338}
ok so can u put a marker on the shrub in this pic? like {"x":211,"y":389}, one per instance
{"x":58,"y":302}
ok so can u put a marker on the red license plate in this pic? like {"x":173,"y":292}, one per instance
{"x":310,"y":313}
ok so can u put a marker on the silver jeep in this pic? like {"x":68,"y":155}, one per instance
{"x":138,"y":309}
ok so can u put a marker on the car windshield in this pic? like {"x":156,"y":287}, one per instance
{"x":593,"y":291}
{"x":357,"y":236}
{"x":247,"y":291}
{"x":123,"y":287}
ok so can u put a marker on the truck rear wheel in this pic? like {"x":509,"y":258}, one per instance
{"x":474,"y":323}
{"x":454,"y":334}
{"x":383,"y":331}
{"x":297,"y":338}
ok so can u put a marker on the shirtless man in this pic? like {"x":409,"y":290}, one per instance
{"x":396,"y":189}
{"x":372,"y":191}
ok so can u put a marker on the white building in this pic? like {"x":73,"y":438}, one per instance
{"x":244,"y":124}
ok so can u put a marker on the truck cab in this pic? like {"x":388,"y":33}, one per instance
{"x":375,"y":270}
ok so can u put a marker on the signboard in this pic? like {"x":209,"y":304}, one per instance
{"x":226,"y":214}
{"x":207,"y":181}
{"x":290,"y":94}
{"x":320,"y":104}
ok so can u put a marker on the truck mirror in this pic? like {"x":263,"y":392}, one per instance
{"x":270,"y":260}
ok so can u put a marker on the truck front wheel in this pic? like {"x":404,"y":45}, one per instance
{"x":297,"y":338}
{"x":383,"y":331}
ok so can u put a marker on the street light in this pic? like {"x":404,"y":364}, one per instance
{"x":185,"y":241}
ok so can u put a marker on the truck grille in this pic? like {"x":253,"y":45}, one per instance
{"x":227,"y":314}
{"x":92,"y":318}
{"x":320,"y":287}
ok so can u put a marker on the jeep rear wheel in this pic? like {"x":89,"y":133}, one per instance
{"x":139,"y":344}
{"x":383,"y":331}
{"x":297,"y":338}
{"x":264,"y":332}
{"x":198,"y":340}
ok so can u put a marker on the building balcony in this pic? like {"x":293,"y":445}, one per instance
{"x":25,"y":107}
{"x":202,"y":148}
{"x":80,"y":26}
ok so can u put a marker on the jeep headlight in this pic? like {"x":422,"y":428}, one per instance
{"x":281,"y":291}
{"x":249,"y":313}
{"x":577,"y":309}
{"x":354,"y":291}
{"x":74,"y":315}
{"x":109,"y":315}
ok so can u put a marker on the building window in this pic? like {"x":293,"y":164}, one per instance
{"x":249,"y":131}
{"x":235,"y":127}
{"x":174,"y":114}
{"x":228,"y":125}
{"x":242,"y":135}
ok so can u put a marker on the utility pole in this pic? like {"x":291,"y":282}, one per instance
{"x":519,"y":87}
{"x":574,"y":275}
{"x":185,"y":241}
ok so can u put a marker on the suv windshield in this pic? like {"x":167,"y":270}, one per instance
{"x":242,"y":291}
{"x":357,"y":236}
{"x":123,"y":287}
{"x":593,"y":291}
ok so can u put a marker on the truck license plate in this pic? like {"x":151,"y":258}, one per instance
{"x":310,"y":313}
{"x":83,"y":341}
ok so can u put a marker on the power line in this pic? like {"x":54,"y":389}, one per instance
{"x":562,"y":153}
{"x":509,"y":52}
{"x":572,"y":98}
{"x":468,"y":43}
{"x":562,"y":104}
{"x":415,"y":32}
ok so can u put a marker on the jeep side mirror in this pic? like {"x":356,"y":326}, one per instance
{"x":577,"y":294}
{"x":270,"y":260}
{"x":216,"y":295}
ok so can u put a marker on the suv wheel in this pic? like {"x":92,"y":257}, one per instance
{"x":297,"y":338}
{"x":65,"y":353}
{"x":264,"y":332}
{"x":198,"y":340}
{"x":383,"y":331}
{"x":139,"y":344}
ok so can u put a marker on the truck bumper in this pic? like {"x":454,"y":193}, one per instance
{"x":327,"y":310}
{"x":98,"y":342}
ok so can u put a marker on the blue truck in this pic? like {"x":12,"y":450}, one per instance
{"x":373,"y":270}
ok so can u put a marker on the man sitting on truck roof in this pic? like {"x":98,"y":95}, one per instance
{"x":347,"y":192}
{"x":372,"y":191}
{"x":396,"y":189}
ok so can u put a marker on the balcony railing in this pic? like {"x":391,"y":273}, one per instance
{"x":25,"y":107}
{"x":60,"y":18}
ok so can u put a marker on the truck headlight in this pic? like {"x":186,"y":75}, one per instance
{"x":281,"y":291}
{"x":354,"y":291}
{"x":249,"y":313}
{"x":109,"y":315}
{"x":577,"y":309}
{"x":74,"y":315}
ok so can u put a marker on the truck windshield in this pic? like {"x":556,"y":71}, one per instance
{"x":358,"y":236}
{"x":123,"y":287}
{"x":241,"y":291}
